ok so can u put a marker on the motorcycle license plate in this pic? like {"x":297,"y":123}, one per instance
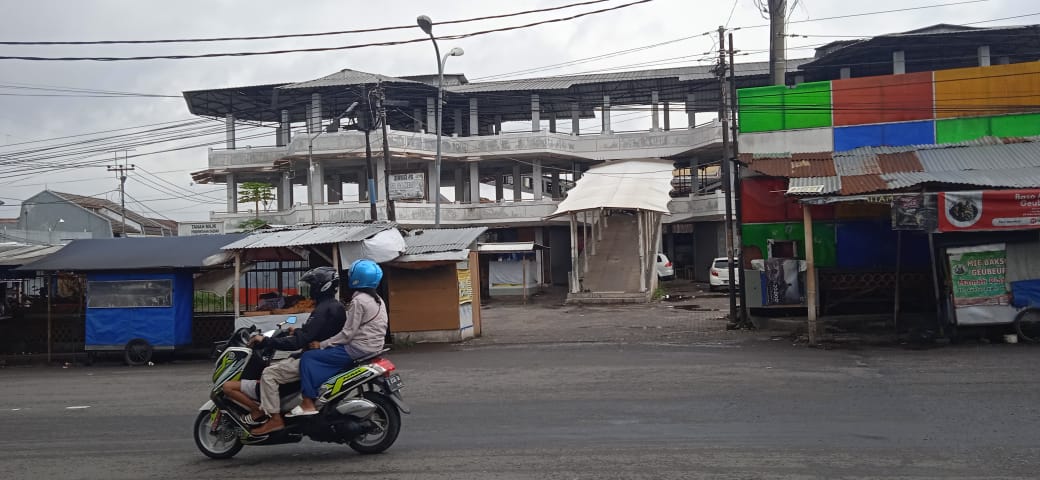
{"x":394,"y":383}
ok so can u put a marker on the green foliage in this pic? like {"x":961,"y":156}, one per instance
{"x":255,"y":193}
{"x":253,"y":224}
{"x":659,"y":293}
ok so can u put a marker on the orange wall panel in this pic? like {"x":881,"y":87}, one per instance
{"x":857,"y":101}
{"x":423,"y":300}
{"x":993,"y":90}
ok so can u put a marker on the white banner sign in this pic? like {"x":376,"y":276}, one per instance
{"x":407,"y":186}
{"x":200,"y":228}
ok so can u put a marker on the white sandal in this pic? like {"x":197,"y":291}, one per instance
{"x":299,"y":412}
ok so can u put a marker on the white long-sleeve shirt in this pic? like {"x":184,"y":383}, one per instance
{"x":364,"y":331}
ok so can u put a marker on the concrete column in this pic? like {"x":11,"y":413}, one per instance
{"x":518,"y":183}
{"x":460,"y":185}
{"x":316,"y":111}
{"x":500,"y":187}
{"x":898,"y":62}
{"x":667,"y":117}
{"x":431,"y":174}
{"x":536,"y":179}
{"x":315,"y":187}
{"x":362,"y":185}
{"x":474,"y":182}
{"x":334,"y":187}
{"x":417,"y":116}
{"x":380,"y":182}
{"x":431,"y":115}
{"x":232,"y":193}
{"x":229,"y":127}
{"x":456,"y":129}
{"x":605,"y":114}
{"x":691,"y":110}
{"x":695,"y":179}
{"x":655,"y":124}
{"x":575,"y":119}
{"x":536,"y":114}
{"x":285,"y":188}
{"x":286,"y":128}
{"x":307,"y":118}
{"x":552,"y":122}
{"x":498,"y":124}
{"x":539,"y":258}
{"x":845,"y":72}
{"x":474,"y":119}
{"x":556,"y":190}
{"x":984,"y":56}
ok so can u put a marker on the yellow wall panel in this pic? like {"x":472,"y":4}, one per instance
{"x":993,"y":90}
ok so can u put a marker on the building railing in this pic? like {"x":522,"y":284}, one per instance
{"x":660,"y":143}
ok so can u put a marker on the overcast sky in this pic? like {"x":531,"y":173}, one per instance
{"x":29,"y":118}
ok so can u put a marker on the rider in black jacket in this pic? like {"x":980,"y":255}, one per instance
{"x":326,"y":320}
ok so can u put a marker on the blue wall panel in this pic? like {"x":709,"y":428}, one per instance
{"x":848,"y":138}
{"x":909,"y":133}
{"x":884,"y":134}
{"x":872,"y":245}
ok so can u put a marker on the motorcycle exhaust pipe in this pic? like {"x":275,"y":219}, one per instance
{"x":356,"y":407}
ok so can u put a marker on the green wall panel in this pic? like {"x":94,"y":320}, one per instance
{"x":761,"y":108}
{"x":965,"y":129}
{"x":824,"y":244}
{"x":808,"y":106}
{"x":961,"y":129}
{"x":1016,"y":125}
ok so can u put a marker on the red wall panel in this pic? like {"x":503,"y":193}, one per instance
{"x":763,"y":201}
{"x":892,"y":98}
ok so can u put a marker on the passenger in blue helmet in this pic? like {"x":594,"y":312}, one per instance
{"x":363,"y":333}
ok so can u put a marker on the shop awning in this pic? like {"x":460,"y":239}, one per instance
{"x":437,"y":245}
{"x":509,"y":247}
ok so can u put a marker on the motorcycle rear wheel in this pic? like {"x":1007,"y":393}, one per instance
{"x":388,"y":425}
{"x":220,"y":445}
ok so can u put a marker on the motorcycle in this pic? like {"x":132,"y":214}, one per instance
{"x":360,"y":406}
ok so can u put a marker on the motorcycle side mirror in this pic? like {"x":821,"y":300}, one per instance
{"x":291,"y":320}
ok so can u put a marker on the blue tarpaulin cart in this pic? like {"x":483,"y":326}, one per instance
{"x":138,"y":312}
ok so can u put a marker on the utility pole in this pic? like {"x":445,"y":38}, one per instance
{"x":727,"y":178}
{"x":121,"y":173}
{"x":381,"y":106}
{"x":778,"y":41}
{"x":738,"y":240}
{"x":372,"y":191}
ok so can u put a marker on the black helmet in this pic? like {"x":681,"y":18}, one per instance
{"x":322,"y":281}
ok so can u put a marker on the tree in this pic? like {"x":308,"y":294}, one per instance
{"x":256,"y":192}
{"x":253,"y":224}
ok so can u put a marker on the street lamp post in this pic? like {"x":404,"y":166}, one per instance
{"x":426,"y":25}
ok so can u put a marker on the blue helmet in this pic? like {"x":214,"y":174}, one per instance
{"x":364,"y":273}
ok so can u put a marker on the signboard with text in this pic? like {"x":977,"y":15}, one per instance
{"x":200,"y":228}
{"x":978,"y":277}
{"x":913,"y":212}
{"x":989,"y":210}
{"x":407,"y":186}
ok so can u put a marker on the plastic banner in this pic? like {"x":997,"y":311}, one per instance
{"x":465,"y":287}
{"x":979,"y":279}
{"x":989,"y":210}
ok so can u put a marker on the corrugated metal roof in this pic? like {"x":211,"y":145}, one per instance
{"x":982,"y":157}
{"x":856,"y":162}
{"x":347,"y":77}
{"x":563,"y":82}
{"x":310,"y":235}
{"x":814,"y":185}
{"x":856,"y":184}
{"x":812,"y":165}
{"x":1011,"y":178}
{"x":508,"y":247}
{"x":440,"y":240}
{"x":899,"y":162}
{"x":26,"y":254}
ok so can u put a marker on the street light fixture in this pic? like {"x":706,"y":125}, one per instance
{"x":426,"y":25}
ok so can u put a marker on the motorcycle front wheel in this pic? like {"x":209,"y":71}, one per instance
{"x":221,"y":442}
{"x":387,"y":421}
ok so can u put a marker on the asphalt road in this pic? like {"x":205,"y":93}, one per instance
{"x":752,"y":409}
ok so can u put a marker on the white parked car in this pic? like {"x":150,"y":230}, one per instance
{"x":718,"y":274}
{"x":665,"y":271}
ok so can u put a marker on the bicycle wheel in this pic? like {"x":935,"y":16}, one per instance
{"x":1027,"y":324}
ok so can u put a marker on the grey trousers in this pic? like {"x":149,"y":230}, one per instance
{"x":280,"y":373}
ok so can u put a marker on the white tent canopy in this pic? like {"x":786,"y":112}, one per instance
{"x":639,"y":184}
